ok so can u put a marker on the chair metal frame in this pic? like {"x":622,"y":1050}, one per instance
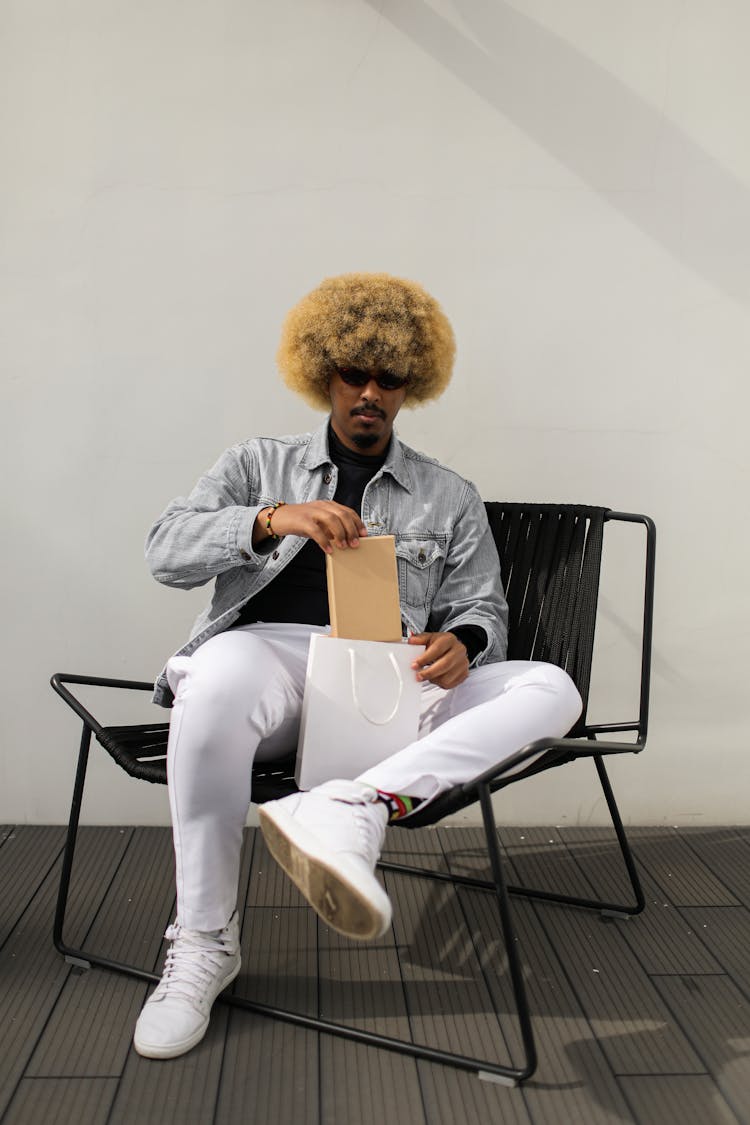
{"x":276,"y":779}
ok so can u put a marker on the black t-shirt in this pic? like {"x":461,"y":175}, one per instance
{"x":300,"y":593}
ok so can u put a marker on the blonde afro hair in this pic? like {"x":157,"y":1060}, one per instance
{"x":367,"y":320}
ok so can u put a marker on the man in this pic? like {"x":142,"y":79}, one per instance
{"x":359,"y":346}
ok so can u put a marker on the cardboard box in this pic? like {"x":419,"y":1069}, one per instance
{"x":363,"y":590}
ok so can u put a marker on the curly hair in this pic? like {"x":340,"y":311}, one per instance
{"x":367,"y":320}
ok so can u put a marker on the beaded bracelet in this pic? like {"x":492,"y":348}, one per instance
{"x":269,"y":517}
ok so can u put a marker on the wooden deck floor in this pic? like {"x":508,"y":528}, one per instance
{"x":645,"y":1021}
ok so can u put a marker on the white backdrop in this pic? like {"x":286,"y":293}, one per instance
{"x":570,"y":180}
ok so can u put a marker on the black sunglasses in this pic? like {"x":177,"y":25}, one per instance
{"x":356,"y":377}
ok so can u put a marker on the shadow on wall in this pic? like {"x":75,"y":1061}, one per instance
{"x":616,"y":142}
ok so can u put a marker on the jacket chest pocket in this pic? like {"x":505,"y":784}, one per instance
{"x":420,"y":568}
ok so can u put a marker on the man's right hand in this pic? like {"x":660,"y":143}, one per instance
{"x":329,"y":524}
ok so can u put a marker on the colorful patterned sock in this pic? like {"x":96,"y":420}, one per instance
{"x":397,"y":804}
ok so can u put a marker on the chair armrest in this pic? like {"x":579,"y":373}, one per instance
{"x":61,"y":678}
{"x":648,"y":613}
{"x":581,"y":747}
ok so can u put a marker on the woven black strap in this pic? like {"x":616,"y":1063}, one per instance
{"x":550,"y":562}
{"x":142,"y":752}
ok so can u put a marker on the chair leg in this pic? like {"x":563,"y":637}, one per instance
{"x":627,"y":855}
{"x":73,"y":956}
{"x":608,"y":909}
{"x":509,"y":938}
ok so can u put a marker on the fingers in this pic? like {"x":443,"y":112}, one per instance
{"x":335,"y":525}
{"x":327,"y":523}
{"x":444,"y":662}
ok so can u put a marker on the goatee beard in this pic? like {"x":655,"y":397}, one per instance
{"x":365,"y":441}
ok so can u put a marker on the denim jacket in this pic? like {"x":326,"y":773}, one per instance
{"x":448,"y":568}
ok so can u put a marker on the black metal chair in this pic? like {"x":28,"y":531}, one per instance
{"x":550,"y":559}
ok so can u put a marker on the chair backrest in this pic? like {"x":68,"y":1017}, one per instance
{"x":550,"y":562}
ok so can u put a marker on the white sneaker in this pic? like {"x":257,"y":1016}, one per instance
{"x":198,"y":966}
{"x":328,"y":841}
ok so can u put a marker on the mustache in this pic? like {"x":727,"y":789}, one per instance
{"x":371,"y":412}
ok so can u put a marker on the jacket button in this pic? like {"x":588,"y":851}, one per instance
{"x":327,"y":478}
{"x":421,"y":556}
{"x":275,"y":555}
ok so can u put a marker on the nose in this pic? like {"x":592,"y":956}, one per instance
{"x":371,"y":391}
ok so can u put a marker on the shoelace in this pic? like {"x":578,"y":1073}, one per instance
{"x":190,"y":964}
{"x":369,"y":824}
{"x":370,"y":830}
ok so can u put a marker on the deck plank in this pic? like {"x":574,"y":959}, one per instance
{"x":270,"y":1073}
{"x":726,"y":930}
{"x":669,"y":1099}
{"x":33,"y":972}
{"x":127,"y":928}
{"x":661,"y":936}
{"x":174,"y":1091}
{"x":452,"y":1096}
{"x":66,"y":1101}
{"x":361,"y":986}
{"x":280,"y":958}
{"x":716,"y":1017}
{"x":367,"y":1085}
{"x":26,"y":856}
{"x":266,"y":1062}
{"x":680,"y":873}
{"x":726,"y":852}
{"x":660,"y":1035}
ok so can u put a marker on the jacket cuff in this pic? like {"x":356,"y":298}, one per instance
{"x":473,"y":637}
{"x":244,"y":537}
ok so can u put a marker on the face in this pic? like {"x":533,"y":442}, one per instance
{"x":362,"y":416}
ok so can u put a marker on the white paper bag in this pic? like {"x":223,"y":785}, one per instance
{"x":361,"y":704}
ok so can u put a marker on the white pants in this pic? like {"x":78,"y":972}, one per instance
{"x":238,"y":698}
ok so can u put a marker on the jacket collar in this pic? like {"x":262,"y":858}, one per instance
{"x":317,"y":454}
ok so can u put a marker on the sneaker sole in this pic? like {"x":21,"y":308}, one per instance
{"x":337,"y":899}
{"x":173,"y":1050}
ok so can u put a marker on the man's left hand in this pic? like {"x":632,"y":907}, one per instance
{"x":444,"y":662}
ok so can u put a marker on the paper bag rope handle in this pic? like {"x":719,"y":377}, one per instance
{"x":358,"y":705}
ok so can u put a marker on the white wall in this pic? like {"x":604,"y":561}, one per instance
{"x":571,"y":180}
